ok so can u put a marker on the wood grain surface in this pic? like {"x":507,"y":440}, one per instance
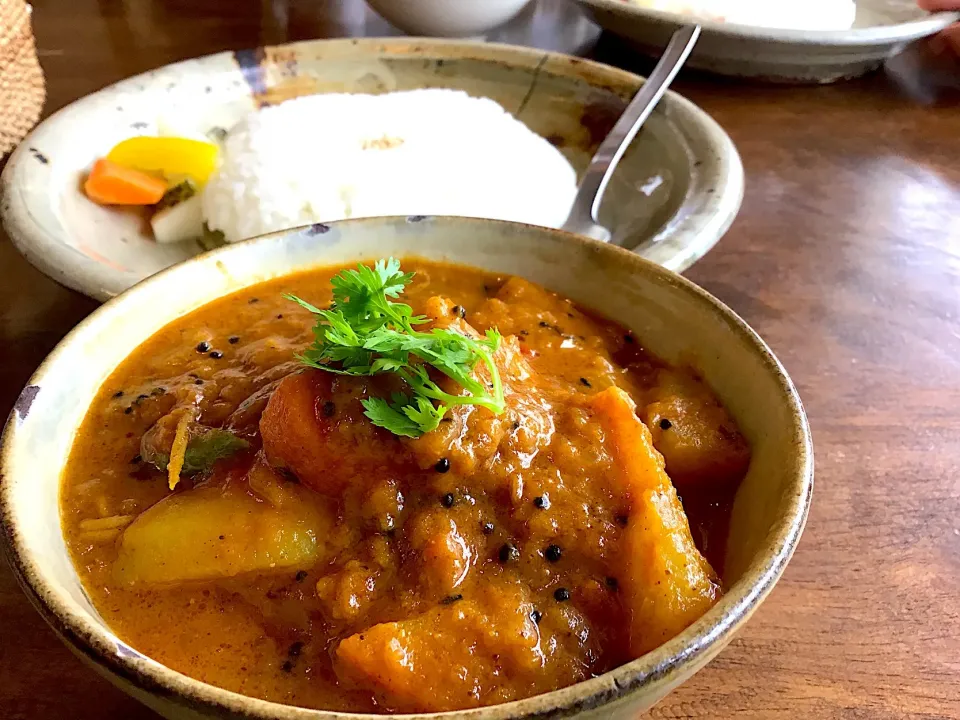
{"x":846,"y":258}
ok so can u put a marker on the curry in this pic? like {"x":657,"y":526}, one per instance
{"x":336,"y":542}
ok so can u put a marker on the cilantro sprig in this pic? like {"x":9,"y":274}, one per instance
{"x":203,"y":451}
{"x":364,"y":332}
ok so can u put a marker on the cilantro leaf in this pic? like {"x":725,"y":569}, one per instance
{"x":392,"y":417}
{"x":364,"y":332}
{"x":204,"y":450}
{"x":215,"y":444}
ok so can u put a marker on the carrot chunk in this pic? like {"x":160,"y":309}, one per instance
{"x":111,"y":184}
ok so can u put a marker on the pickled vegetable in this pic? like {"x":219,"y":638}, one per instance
{"x":175,"y":158}
{"x":110,"y":183}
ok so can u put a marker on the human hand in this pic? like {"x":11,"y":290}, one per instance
{"x":950,"y":36}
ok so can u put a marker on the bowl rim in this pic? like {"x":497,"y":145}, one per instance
{"x":692,"y":648}
{"x":853,"y":37}
{"x":46,"y":249}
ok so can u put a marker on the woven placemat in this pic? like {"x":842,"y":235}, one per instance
{"x":22,"y":89}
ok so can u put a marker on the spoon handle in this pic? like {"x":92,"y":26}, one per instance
{"x":583,"y":216}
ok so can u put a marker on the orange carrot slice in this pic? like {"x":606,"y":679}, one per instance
{"x":111,"y":184}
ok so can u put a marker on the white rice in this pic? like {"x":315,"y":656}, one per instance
{"x":804,"y":15}
{"x":426,"y":152}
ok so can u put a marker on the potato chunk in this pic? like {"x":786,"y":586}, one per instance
{"x":211,"y":532}
{"x":667,"y":583}
{"x":698,"y":439}
{"x":456,"y":656}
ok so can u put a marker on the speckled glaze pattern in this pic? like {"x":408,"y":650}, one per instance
{"x":681,"y":183}
{"x":882,"y":29}
{"x":676,"y":320}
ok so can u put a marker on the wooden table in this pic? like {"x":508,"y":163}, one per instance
{"x":846,"y":258}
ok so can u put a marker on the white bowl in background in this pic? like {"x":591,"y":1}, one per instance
{"x":448,"y":18}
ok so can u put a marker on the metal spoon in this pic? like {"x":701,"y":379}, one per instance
{"x":583,"y":216}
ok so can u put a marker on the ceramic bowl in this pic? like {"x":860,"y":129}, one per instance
{"x":680,"y":184}
{"x":882,"y":29}
{"x":447,"y":18}
{"x":675,"y":319}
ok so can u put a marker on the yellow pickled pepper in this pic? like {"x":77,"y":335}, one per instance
{"x":174,"y":157}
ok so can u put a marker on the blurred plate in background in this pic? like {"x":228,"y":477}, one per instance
{"x":882,"y":29}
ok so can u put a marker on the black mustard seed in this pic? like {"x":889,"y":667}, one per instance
{"x":553,"y":553}
{"x":561,"y":594}
{"x":216,"y":354}
{"x":447,"y":500}
{"x":509,"y":553}
{"x":443,"y":465}
{"x":203,"y":347}
{"x":665,"y":424}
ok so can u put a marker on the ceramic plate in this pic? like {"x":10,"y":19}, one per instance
{"x":882,"y":29}
{"x":681,"y":183}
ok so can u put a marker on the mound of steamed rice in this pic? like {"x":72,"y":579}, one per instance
{"x":426,"y":152}
{"x":805,"y":15}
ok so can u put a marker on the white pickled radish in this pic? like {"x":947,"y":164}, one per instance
{"x":180,"y":222}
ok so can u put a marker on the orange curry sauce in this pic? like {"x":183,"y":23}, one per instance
{"x":333,"y":565}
